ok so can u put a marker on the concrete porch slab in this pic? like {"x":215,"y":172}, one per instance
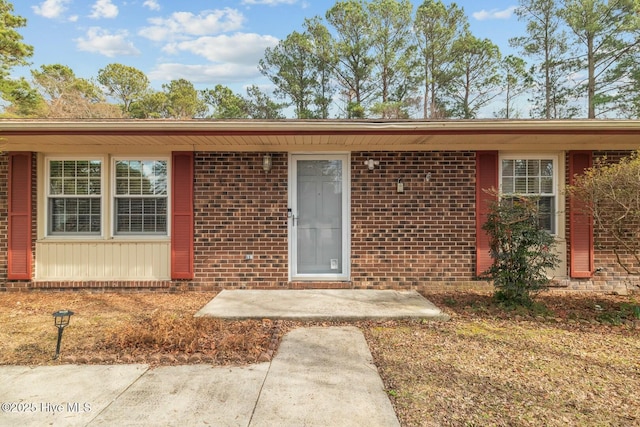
{"x":321,"y":305}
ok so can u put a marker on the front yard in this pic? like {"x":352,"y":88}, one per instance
{"x":485,"y":367}
{"x":575,"y":361}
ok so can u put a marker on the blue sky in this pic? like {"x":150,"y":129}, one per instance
{"x":208,"y":42}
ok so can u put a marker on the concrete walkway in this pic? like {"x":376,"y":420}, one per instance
{"x":320,"y":377}
{"x":321,"y":305}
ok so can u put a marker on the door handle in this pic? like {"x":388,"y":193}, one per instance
{"x":291,"y":215}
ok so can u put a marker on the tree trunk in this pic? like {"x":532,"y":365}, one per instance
{"x":591,"y":84}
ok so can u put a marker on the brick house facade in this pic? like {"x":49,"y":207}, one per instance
{"x":409,"y":221}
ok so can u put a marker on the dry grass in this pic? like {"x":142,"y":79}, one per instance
{"x":573,"y":361}
{"x":124,"y":328}
{"x":488,"y":367}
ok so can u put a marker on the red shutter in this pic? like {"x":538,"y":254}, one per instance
{"x":19,"y":244}
{"x":486,"y":178}
{"x":580,"y":223}
{"x":182,"y":216}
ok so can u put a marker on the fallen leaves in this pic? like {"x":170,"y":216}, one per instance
{"x":486,"y":368}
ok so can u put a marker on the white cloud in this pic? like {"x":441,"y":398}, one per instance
{"x":181,"y":24}
{"x":105,"y":43}
{"x":269,"y":2}
{"x":51,"y":8}
{"x":210,"y":73}
{"x":240,"y":48}
{"x":152,"y":4}
{"x":484,"y":15}
{"x":104,"y":9}
{"x":73,"y":18}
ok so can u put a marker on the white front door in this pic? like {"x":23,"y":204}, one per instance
{"x":319,"y":225}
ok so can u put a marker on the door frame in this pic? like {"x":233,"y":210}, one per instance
{"x":346,"y":217}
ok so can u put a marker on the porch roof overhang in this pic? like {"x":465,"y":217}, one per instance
{"x":316,"y":135}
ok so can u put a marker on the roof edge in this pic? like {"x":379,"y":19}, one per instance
{"x":133,"y":125}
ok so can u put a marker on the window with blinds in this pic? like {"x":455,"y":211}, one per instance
{"x":532,"y":177}
{"x":75,"y":197}
{"x":140,"y":197}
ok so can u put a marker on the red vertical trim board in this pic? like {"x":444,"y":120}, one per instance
{"x":19,"y":233}
{"x":486,"y":178}
{"x":580,"y":223}
{"x":182,"y":215}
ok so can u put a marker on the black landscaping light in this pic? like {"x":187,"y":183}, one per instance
{"x":61,"y":319}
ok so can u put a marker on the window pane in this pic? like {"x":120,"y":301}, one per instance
{"x":84,"y":206}
{"x":122,"y":186}
{"x":95,"y":207}
{"x":82,"y":169}
{"x":149,"y":207}
{"x":507,"y":185}
{"x":94,"y":186}
{"x":55,"y":169}
{"x":84,"y":223}
{"x":533,"y":185}
{"x":95,"y":169}
{"x":122,"y":169}
{"x":533,"y":167}
{"x":520,"y":185}
{"x":82,"y":187}
{"x":135,"y":206}
{"x":69,"y":187}
{"x":149,"y":224}
{"x":520,"y":167}
{"x":135,"y":187}
{"x":160,"y":186}
{"x":71,"y":205}
{"x":546,"y":185}
{"x":507,"y":168}
{"x":122,"y":224}
{"x":55,"y":186}
{"x":69,"y":168}
{"x":547,"y":213}
{"x":161,"y":223}
{"x":135,"y":223}
{"x":135,"y":168}
{"x":546,"y":168}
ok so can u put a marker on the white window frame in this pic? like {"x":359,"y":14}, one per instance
{"x":113,"y":197}
{"x":555,"y":158}
{"x":48,"y":196}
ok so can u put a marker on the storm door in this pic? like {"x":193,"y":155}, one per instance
{"x":319,"y":224}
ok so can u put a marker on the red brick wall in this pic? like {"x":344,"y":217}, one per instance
{"x":4,"y":215}
{"x":240,"y":210}
{"x":424,"y":237}
{"x":427,"y":233}
{"x":398,"y":240}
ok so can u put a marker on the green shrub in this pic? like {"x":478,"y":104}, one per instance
{"x":521,"y":250}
